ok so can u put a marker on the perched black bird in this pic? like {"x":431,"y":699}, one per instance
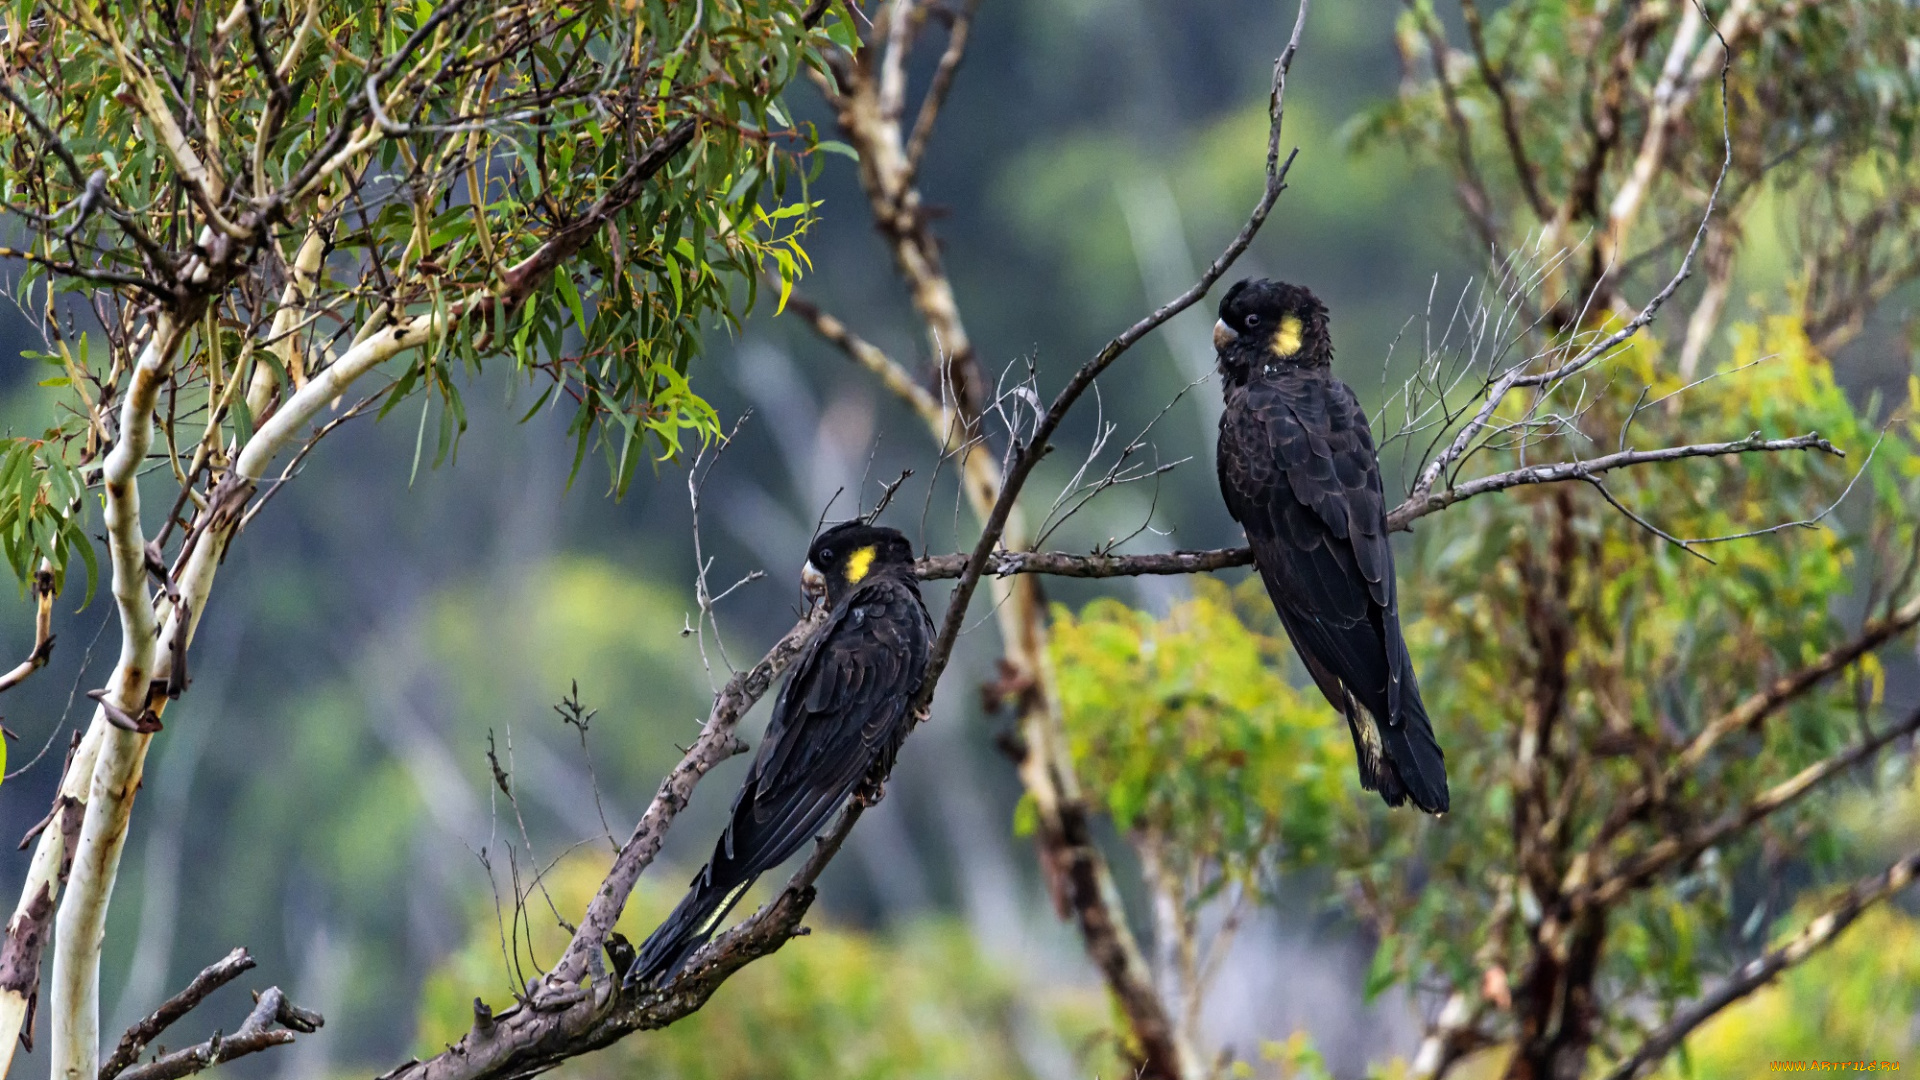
{"x":1299,"y":472}
{"x":837,"y":725}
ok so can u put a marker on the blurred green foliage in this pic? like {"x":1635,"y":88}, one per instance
{"x":1853,"y":1002}
{"x":587,"y":624}
{"x":1184,"y":730}
{"x":385,"y":762}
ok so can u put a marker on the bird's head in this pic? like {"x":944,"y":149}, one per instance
{"x":1265,"y":323}
{"x":850,"y":553}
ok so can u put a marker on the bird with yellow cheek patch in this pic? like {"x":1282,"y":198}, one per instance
{"x":1286,"y":340}
{"x":1300,"y":473}
{"x":837,"y":724}
{"x":859,"y":561}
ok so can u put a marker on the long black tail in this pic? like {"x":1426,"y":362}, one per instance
{"x":1415,"y":758}
{"x":1392,"y":737}
{"x":1400,"y":761}
{"x":691,"y":924}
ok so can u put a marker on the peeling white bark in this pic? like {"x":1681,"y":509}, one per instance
{"x":112,"y":760}
{"x":74,"y":1000}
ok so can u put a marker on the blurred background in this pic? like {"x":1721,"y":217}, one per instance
{"x":323,"y":796}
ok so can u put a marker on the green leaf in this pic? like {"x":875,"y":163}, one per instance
{"x":564,"y":281}
{"x":1382,"y":972}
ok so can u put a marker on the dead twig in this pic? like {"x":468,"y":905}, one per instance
{"x":211,"y":978}
{"x":254,"y":1035}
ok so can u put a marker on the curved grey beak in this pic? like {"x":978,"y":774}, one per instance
{"x":1223,"y":335}
{"x":813,"y":583}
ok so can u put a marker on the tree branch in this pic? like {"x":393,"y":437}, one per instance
{"x":1496,"y":84}
{"x":715,"y":744}
{"x":938,"y":88}
{"x":213,"y":977}
{"x":1109,"y":944}
{"x":1035,"y":447}
{"x":1471,"y":190}
{"x":1670,"y":851}
{"x":529,"y":1039}
{"x":1787,"y":688}
{"x":254,"y":1036}
{"x":1517,"y":375}
{"x":1081,"y":881}
{"x":81,"y":927}
{"x":1001,"y":562}
{"x":891,"y":374}
{"x":523,"y":278}
{"x":1783,"y":691}
{"x":1818,"y":934}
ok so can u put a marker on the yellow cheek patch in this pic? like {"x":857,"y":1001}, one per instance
{"x":858,"y":564}
{"x":1286,"y":339}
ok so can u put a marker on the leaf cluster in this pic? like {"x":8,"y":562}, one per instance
{"x":1185,"y":729}
{"x":580,"y":187}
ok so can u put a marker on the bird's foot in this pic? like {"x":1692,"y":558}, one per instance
{"x":870,"y":792}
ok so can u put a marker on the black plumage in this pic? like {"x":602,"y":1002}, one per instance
{"x":1299,"y":472}
{"x":837,"y":725}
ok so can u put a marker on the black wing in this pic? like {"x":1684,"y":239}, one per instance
{"x":839,"y":719}
{"x":841,"y":716}
{"x":1299,"y":471}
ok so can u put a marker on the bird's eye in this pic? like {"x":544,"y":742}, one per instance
{"x":1253,"y":321}
{"x":826,"y":555}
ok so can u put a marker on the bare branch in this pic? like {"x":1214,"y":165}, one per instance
{"x":1415,"y":507}
{"x":715,"y":744}
{"x":941,"y":85}
{"x":892,"y":375}
{"x":1517,"y":375}
{"x":1001,"y":562}
{"x":526,"y":1040}
{"x":213,"y":977}
{"x":88,"y":273}
{"x":254,"y":1036}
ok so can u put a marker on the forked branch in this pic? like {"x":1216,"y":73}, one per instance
{"x":211,"y":978}
{"x":257,"y":1033}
